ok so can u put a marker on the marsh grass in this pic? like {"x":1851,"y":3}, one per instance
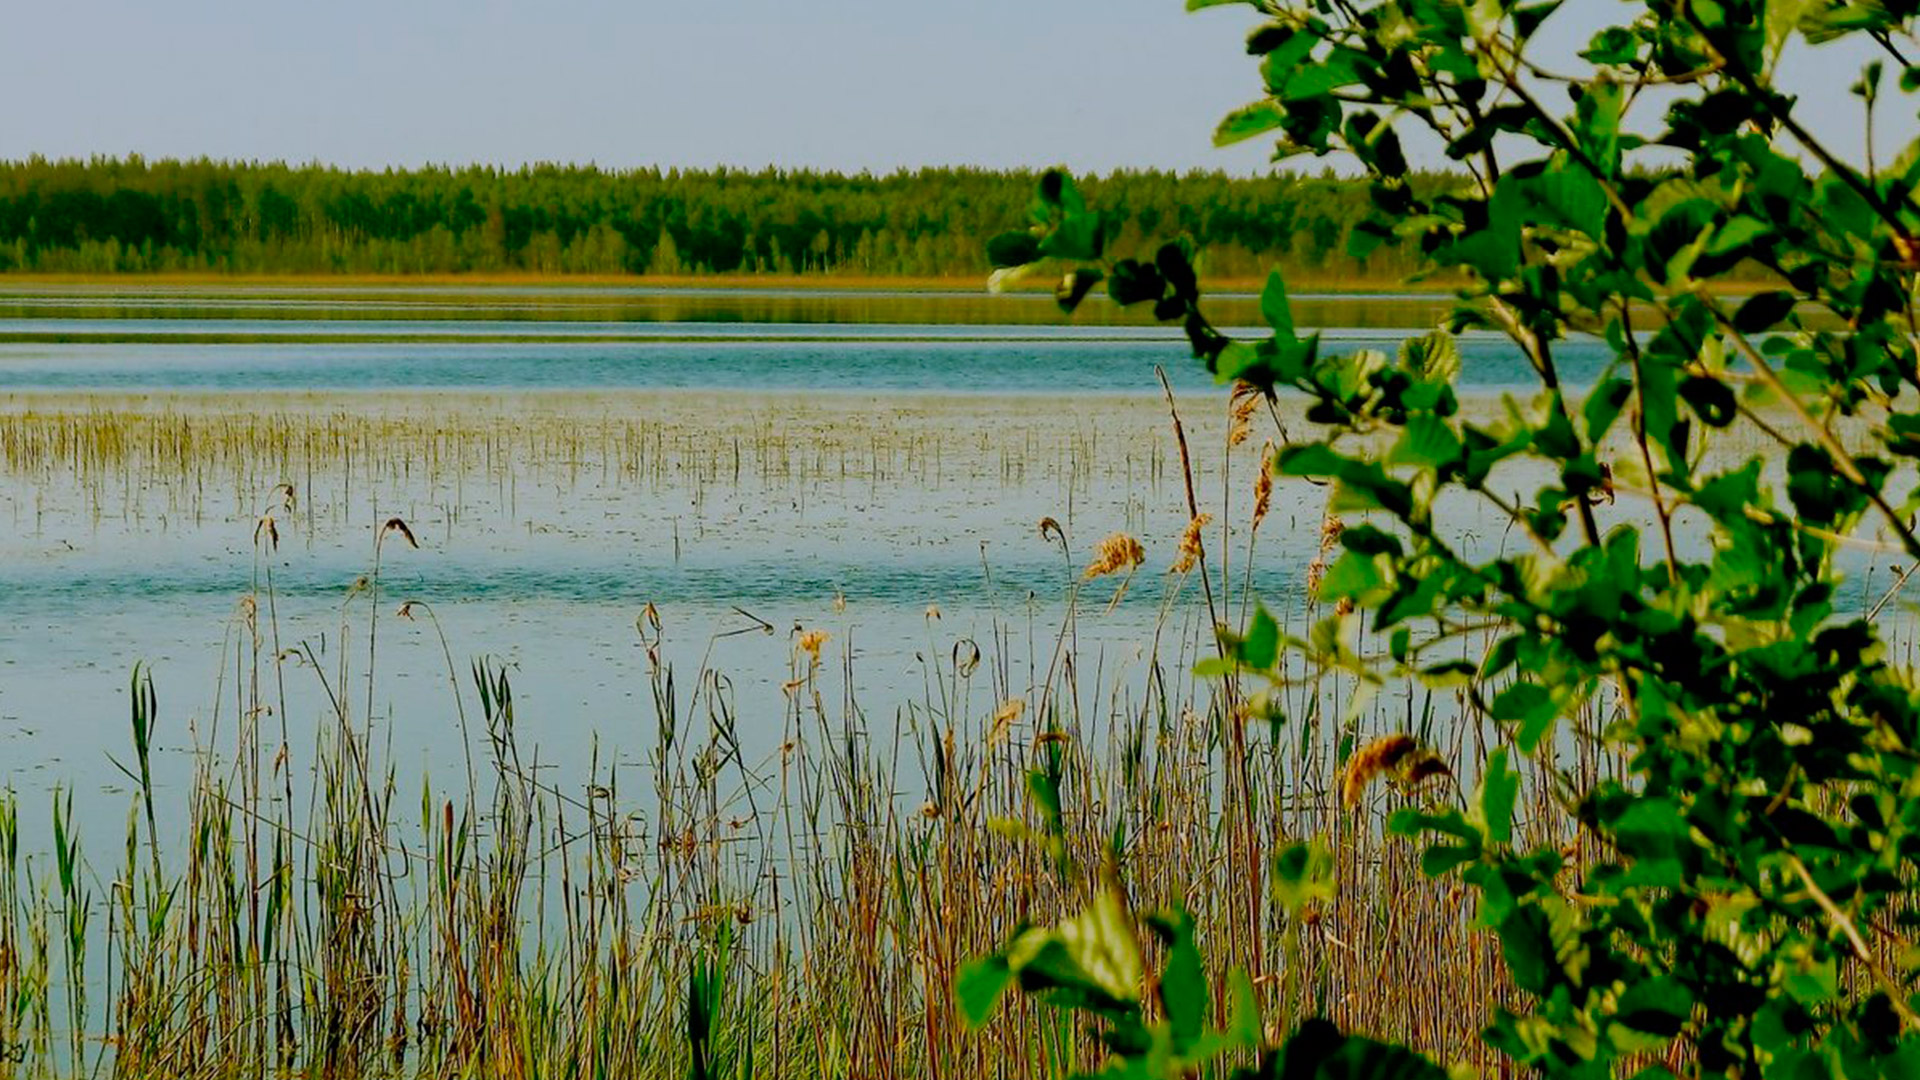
{"x":306,"y":910}
{"x":192,"y":458}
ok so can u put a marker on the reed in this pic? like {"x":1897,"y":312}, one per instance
{"x":305,"y":910}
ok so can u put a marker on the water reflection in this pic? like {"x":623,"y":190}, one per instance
{"x":639,"y":304}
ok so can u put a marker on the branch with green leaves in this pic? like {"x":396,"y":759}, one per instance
{"x":1767,"y":805}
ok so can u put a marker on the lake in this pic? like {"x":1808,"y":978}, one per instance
{"x":751,"y":464}
{"x":766,"y":576}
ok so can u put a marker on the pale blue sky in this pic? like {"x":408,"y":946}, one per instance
{"x":847,"y":84}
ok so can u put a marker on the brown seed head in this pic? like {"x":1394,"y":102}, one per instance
{"x":399,"y":526}
{"x":1116,"y":552}
{"x":810,"y":643}
{"x":1425,"y":766}
{"x":1007,"y":715}
{"x":1240,"y":406}
{"x":1373,"y":761}
{"x":1330,"y":529}
{"x":1190,"y":546}
{"x":1602,"y":492}
{"x":1263,"y":484}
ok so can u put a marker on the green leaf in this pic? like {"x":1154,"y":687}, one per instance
{"x":1075,"y":286}
{"x":1431,"y":357}
{"x":1183,"y":981}
{"x":1352,"y":575}
{"x":1319,"y":1051}
{"x":1598,"y":112}
{"x":1492,"y":250}
{"x":1015,"y":248}
{"x":1653,"y":832}
{"x":1135,"y":282}
{"x":1078,"y":235}
{"x":1302,"y":874}
{"x":1046,"y":797}
{"x":1571,"y":196}
{"x":1531,"y":709}
{"x":1174,"y":260}
{"x":1499,"y":790}
{"x":1603,"y":406}
{"x":1245,"y":1030}
{"x":1612,"y":45}
{"x":1248,"y":121}
{"x":1439,"y":859}
{"x":1712,"y":400}
{"x":1428,"y":442}
{"x":1261,"y":647}
{"x":1451,"y":822}
{"x":1056,"y":191}
{"x":1763,"y":311}
{"x":1296,"y":82}
{"x":1094,"y":955}
{"x":1657,"y":1006}
{"x":1526,"y":943}
{"x":978,"y":987}
{"x":1275,"y":308}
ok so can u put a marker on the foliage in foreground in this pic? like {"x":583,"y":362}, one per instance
{"x":1740,"y":902}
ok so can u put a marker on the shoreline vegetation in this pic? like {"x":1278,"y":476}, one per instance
{"x":969,"y":283}
{"x":135,"y":216}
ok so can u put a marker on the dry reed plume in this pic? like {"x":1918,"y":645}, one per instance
{"x":1116,"y":553}
{"x":1190,"y":548}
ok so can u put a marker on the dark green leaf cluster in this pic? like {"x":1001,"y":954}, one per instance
{"x":1745,"y":902}
{"x":1091,"y":965}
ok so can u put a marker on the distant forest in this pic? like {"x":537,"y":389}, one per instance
{"x":105,"y":216}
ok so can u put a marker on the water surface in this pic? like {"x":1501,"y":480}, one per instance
{"x":749,"y":463}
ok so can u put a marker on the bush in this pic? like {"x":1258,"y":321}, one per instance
{"x":1741,"y":904}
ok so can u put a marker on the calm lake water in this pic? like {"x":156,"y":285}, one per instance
{"x":750,"y":464}
{"x":596,"y":339}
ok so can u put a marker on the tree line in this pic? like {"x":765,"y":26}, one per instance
{"x":131,"y":215}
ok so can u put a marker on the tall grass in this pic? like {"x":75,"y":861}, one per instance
{"x":306,"y":910}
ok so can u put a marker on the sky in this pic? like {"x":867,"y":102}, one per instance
{"x":843,"y":84}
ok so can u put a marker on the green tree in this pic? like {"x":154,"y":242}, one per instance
{"x":666,"y":256}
